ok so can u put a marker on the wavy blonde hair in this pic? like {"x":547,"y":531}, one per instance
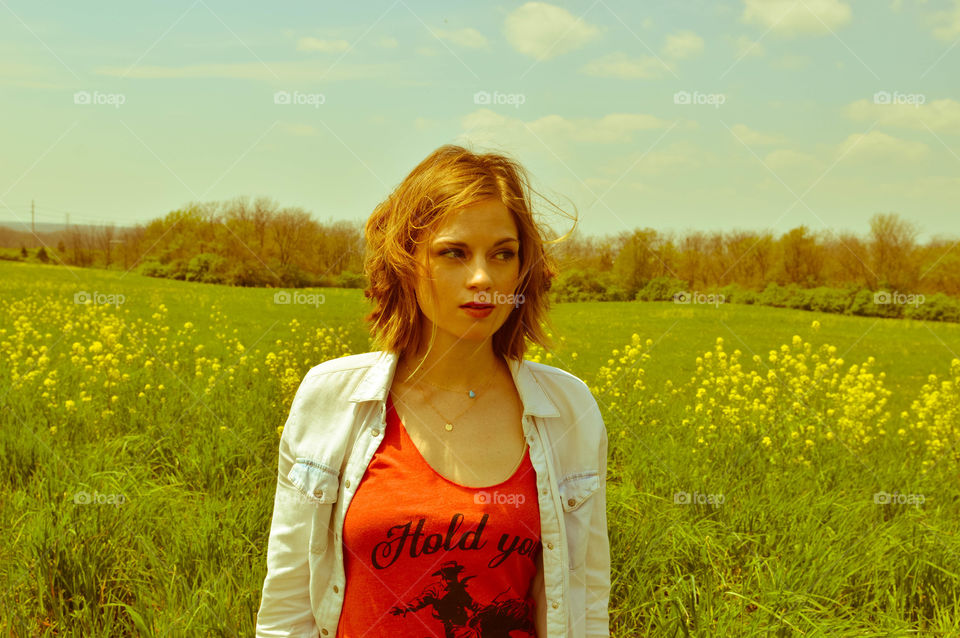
{"x":452,"y":178}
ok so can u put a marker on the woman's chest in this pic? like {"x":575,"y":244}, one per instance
{"x":483,"y":448}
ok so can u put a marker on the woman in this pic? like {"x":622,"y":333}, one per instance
{"x":442,"y":485}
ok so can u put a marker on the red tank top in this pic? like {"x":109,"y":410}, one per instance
{"x":424,"y":556}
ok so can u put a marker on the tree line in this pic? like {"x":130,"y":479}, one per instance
{"x":238,"y":242}
{"x":259,"y":243}
{"x":888,"y":258}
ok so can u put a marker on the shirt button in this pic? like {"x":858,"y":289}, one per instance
{"x":348,"y":483}
{"x":336,"y":589}
{"x":571,"y":502}
{"x":549,"y":545}
{"x":374,"y":432}
{"x":318,"y":493}
{"x":324,"y":631}
{"x":543,"y":491}
{"x":555,"y":604}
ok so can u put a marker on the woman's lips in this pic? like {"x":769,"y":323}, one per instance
{"x":477,"y":311}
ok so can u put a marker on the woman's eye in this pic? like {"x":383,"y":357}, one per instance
{"x":505,"y":255}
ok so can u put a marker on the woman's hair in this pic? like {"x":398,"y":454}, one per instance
{"x":451,"y":178}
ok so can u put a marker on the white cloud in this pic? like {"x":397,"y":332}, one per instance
{"x":793,"y":17}
{"x":486,"y":124}
{"x":326,"y":46}
{"x":747,"y":47}
{"x":470,"y":38}
{"x":785,"y":159}
{"x":305,"y":71}
{"x":876,"y":145}
{"x":30,"y":75}
{"x":620,"y":65}
{"x":948,"y":23}
{"x":941,"y":116}
{"x":659,"y":161}
{"x":751,"y":137}
{"x":543,"y":31}
{"x":683,"y":45}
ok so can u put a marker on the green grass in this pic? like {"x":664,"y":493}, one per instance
{"x":792,"y":550}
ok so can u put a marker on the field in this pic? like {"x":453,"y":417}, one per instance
{"x":771,"y":472}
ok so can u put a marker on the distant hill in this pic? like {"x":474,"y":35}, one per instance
{"x":45,"y":227}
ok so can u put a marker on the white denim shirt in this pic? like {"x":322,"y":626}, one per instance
{"x":336,"y":423}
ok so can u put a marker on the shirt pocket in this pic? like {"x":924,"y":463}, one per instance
{"x":575,"y":492}
{"x":319,"y":486}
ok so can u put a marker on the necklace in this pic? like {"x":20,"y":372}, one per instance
{"x":448,"y":423}
{"x":470,"y":393}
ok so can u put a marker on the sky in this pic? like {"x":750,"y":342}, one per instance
{"x":739,"y":114}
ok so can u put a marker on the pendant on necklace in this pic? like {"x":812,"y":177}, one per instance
{"x":472,"y":394}
{"x":448,"y":427}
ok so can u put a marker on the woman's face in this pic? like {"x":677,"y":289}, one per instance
{"x":473,"y":259}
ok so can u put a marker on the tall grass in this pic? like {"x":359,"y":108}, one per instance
{"x":137,"y":496}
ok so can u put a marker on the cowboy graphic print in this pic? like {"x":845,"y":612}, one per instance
{"x":424,"y":556}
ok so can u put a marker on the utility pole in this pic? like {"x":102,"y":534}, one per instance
{"x":33,"y":225}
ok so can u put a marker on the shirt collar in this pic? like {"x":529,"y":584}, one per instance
{"x":378,"y":377}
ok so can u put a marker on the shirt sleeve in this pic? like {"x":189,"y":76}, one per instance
{"x":598,"y":547}
{"x":285,"y":608}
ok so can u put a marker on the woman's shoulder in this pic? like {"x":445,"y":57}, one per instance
{"x":348,"y":362}
{"x":556,"y":376}
{"x":333,"y":376}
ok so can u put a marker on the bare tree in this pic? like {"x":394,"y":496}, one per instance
{"x":892,"y":250}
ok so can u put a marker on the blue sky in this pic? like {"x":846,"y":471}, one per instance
{"x":756,"y":114}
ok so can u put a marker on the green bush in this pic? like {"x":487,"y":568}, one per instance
{"x":206,"y":267}
{"x":936,"y":307}
{"x":662,"y":289}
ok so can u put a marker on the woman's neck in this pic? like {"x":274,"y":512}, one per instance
{"x":460,"y":366}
